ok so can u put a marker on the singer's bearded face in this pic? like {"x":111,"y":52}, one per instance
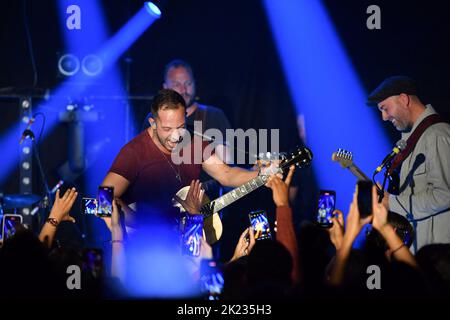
{"x":180,"y":80}
{"x":394,"y":110}
{"x":169,"y":127}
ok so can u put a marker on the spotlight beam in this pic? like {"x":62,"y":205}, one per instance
{"x":110,"y":51}
{"x":325,"y":88}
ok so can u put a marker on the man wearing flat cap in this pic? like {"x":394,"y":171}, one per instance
{"x":424,"y":165}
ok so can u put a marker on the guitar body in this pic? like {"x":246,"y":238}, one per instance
{"x":212,"y":225}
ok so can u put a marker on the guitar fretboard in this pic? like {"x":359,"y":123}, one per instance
{"x":234,"y":195}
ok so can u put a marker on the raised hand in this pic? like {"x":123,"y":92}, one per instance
{"x":354,"y":222}
{"x":61,"y":207}
{"x":337,"y":229}
{"x":59,"y":213}
{"x":194,"y":198}
{"x":280,"y":188}
{"x":113,"y":222}
{"x":385,"y":200}
{"x":379,"y":211}
{"x":245,"y":244}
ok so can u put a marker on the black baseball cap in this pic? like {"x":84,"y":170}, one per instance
{"x":392,"y":86}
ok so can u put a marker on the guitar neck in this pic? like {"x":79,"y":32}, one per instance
{"x":358,"y":173}
{"x":234,"y":195}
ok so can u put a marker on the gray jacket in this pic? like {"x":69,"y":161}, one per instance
{"x":425,"y":184}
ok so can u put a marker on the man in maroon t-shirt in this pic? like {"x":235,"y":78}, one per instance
{"x":144,"y":171}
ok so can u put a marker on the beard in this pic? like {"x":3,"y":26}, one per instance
{"x":189,"y":99}
{"x":402,"y":127}
{"x":164,"y":142}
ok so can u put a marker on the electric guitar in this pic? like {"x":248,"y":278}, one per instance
{"x":345,"y":159}
{"x":212,"y":225}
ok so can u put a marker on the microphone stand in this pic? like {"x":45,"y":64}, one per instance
{"x":383,"y":186}
{"x":47,"y":198}
{"x":381,"y":194}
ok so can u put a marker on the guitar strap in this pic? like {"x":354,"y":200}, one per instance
{"x":394,"y":170}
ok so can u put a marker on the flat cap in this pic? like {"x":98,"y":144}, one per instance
{"x":392,"y":86}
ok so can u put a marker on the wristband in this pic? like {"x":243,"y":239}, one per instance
{"x":52,"y":221}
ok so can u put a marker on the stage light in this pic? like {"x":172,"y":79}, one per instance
{"x":92,"y":65}
{"x":152,"y":9}
{"x":326,"y":89}
{"x":68,"y":64}
{"x":25,"y":104}
{"x":92,"y":38}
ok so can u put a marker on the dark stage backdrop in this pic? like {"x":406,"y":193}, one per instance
{"x":230,"y":47}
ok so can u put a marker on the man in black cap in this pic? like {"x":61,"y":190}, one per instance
{"x":424,"y":165}
{"x":396,"y":98}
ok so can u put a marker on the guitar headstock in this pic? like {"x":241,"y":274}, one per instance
{"x":301,"y":157}
{"x":344,"y":157}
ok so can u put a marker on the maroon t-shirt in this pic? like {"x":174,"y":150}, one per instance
{"x":153,"y":175}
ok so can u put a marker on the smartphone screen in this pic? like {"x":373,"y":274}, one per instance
{"x":11,"y":222}
{"x":104,"y":201}
{"x":192,"y":233}
{"x":89,"y":206}
{"x":260,"y":224}
{"x":325,"y":207}
{"x":93,"y":261}
{"x":364,"y":198}
{"x":211,"y":279}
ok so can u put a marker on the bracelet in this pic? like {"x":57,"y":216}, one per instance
{"x":116,"y":241}
{"x":394,"y":251}
{"x":52,"y":221}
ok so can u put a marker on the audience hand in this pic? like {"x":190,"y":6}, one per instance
{"x":61,"y":207}
{"x":280,"y":188}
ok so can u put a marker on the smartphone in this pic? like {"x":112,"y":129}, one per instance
{"x":89,"y":206}
{"x":93,"y":261}
{"x":10,"y":223}
{"x":104,"y":201}
{"x":192,"y":234}
{"x":325,"y":206}
{"x":211,"y":279}
{"x":260,"y":224}
{"x":364,"y":189}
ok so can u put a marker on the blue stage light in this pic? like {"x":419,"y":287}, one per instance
{"x":100,"y":55}
{"x":152,"y":9}
{"x":325,"y":88}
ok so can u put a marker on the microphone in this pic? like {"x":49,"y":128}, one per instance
{"x":27,"y":132}
{"x":400,"y":145}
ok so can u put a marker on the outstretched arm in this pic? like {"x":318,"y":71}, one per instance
{"x":59,"y":213}
{"x":226,"y":175}
{"x":285,"y":226}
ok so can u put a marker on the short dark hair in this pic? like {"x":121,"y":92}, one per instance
{"x":177,"y":63}
{"x":402,"y":226}
{"x":166,"y":99}
{"x":403,"y":229}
